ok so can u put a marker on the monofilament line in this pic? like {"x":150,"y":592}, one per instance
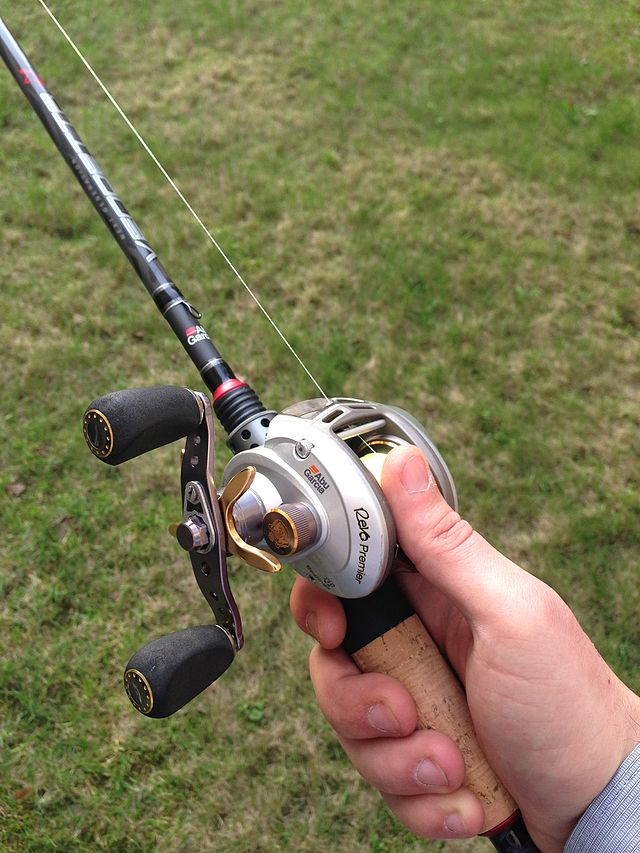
{"x":180,"y":195}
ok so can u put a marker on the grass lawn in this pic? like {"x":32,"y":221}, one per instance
{"x":438,"y":202}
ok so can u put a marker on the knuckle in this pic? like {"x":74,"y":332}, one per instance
{"x":548,"y":607}
{"x":449,"y":533}
{"x":347,"y":722}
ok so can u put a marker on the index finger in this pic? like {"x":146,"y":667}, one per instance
{"x":318,"y":613}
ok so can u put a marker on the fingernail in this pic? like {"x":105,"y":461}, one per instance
{"x":454,"y":824}
{"x":382,"y":718}
{"x":311,"y":624}
{"x":415,"y":475}
{"x":428,"y":773}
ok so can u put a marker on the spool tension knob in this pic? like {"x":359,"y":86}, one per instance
{"x":290,"y":528}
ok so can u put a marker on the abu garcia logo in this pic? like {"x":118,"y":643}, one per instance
{"x":362,"y":518}
{"x":315,"y":477}
{"x":195,"y":334}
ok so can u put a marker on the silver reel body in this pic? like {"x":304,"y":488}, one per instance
{"x":314,"y":502}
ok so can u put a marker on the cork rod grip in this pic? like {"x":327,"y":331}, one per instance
{"x":407,"y":652}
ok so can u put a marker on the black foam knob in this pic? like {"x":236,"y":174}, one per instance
{"x":167,"y":673}
{"x":125,"y":424}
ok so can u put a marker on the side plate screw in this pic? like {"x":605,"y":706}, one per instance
{"x":303,"y":448}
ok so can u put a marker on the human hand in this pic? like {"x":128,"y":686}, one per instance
{"x":553,"y":719}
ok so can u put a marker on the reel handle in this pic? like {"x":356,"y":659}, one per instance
{"x":385,"y":635}
{"x":170,"y":671}
{"x":125,"y":424}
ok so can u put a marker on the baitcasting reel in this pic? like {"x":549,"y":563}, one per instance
{"x":301,"y":488}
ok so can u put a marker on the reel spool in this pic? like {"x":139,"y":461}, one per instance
{"x":316,"y":500}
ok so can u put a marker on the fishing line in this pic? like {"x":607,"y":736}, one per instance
{"x":180,"y":195}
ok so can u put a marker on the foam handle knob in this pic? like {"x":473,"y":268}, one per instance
{"x":170,"y":671}
{"x":125,"y":424}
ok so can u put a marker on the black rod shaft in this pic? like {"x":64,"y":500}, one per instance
{"x":182,"y":317}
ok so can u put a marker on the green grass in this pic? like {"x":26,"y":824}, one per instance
{"x":438,"y":204}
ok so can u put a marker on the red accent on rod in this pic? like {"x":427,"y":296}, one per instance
{"x":227,"y":386}
{"x":502,"y":826}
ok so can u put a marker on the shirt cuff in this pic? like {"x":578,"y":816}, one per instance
{"x":611,"y":823}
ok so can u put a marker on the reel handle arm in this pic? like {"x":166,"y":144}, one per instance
{"x":125,"y":424}
{"x":385,"y":635}
{"x":170,"y":671}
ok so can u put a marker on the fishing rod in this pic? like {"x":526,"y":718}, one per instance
{"x":302,"y":486}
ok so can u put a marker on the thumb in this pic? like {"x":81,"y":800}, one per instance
{"x":443,"y":547}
